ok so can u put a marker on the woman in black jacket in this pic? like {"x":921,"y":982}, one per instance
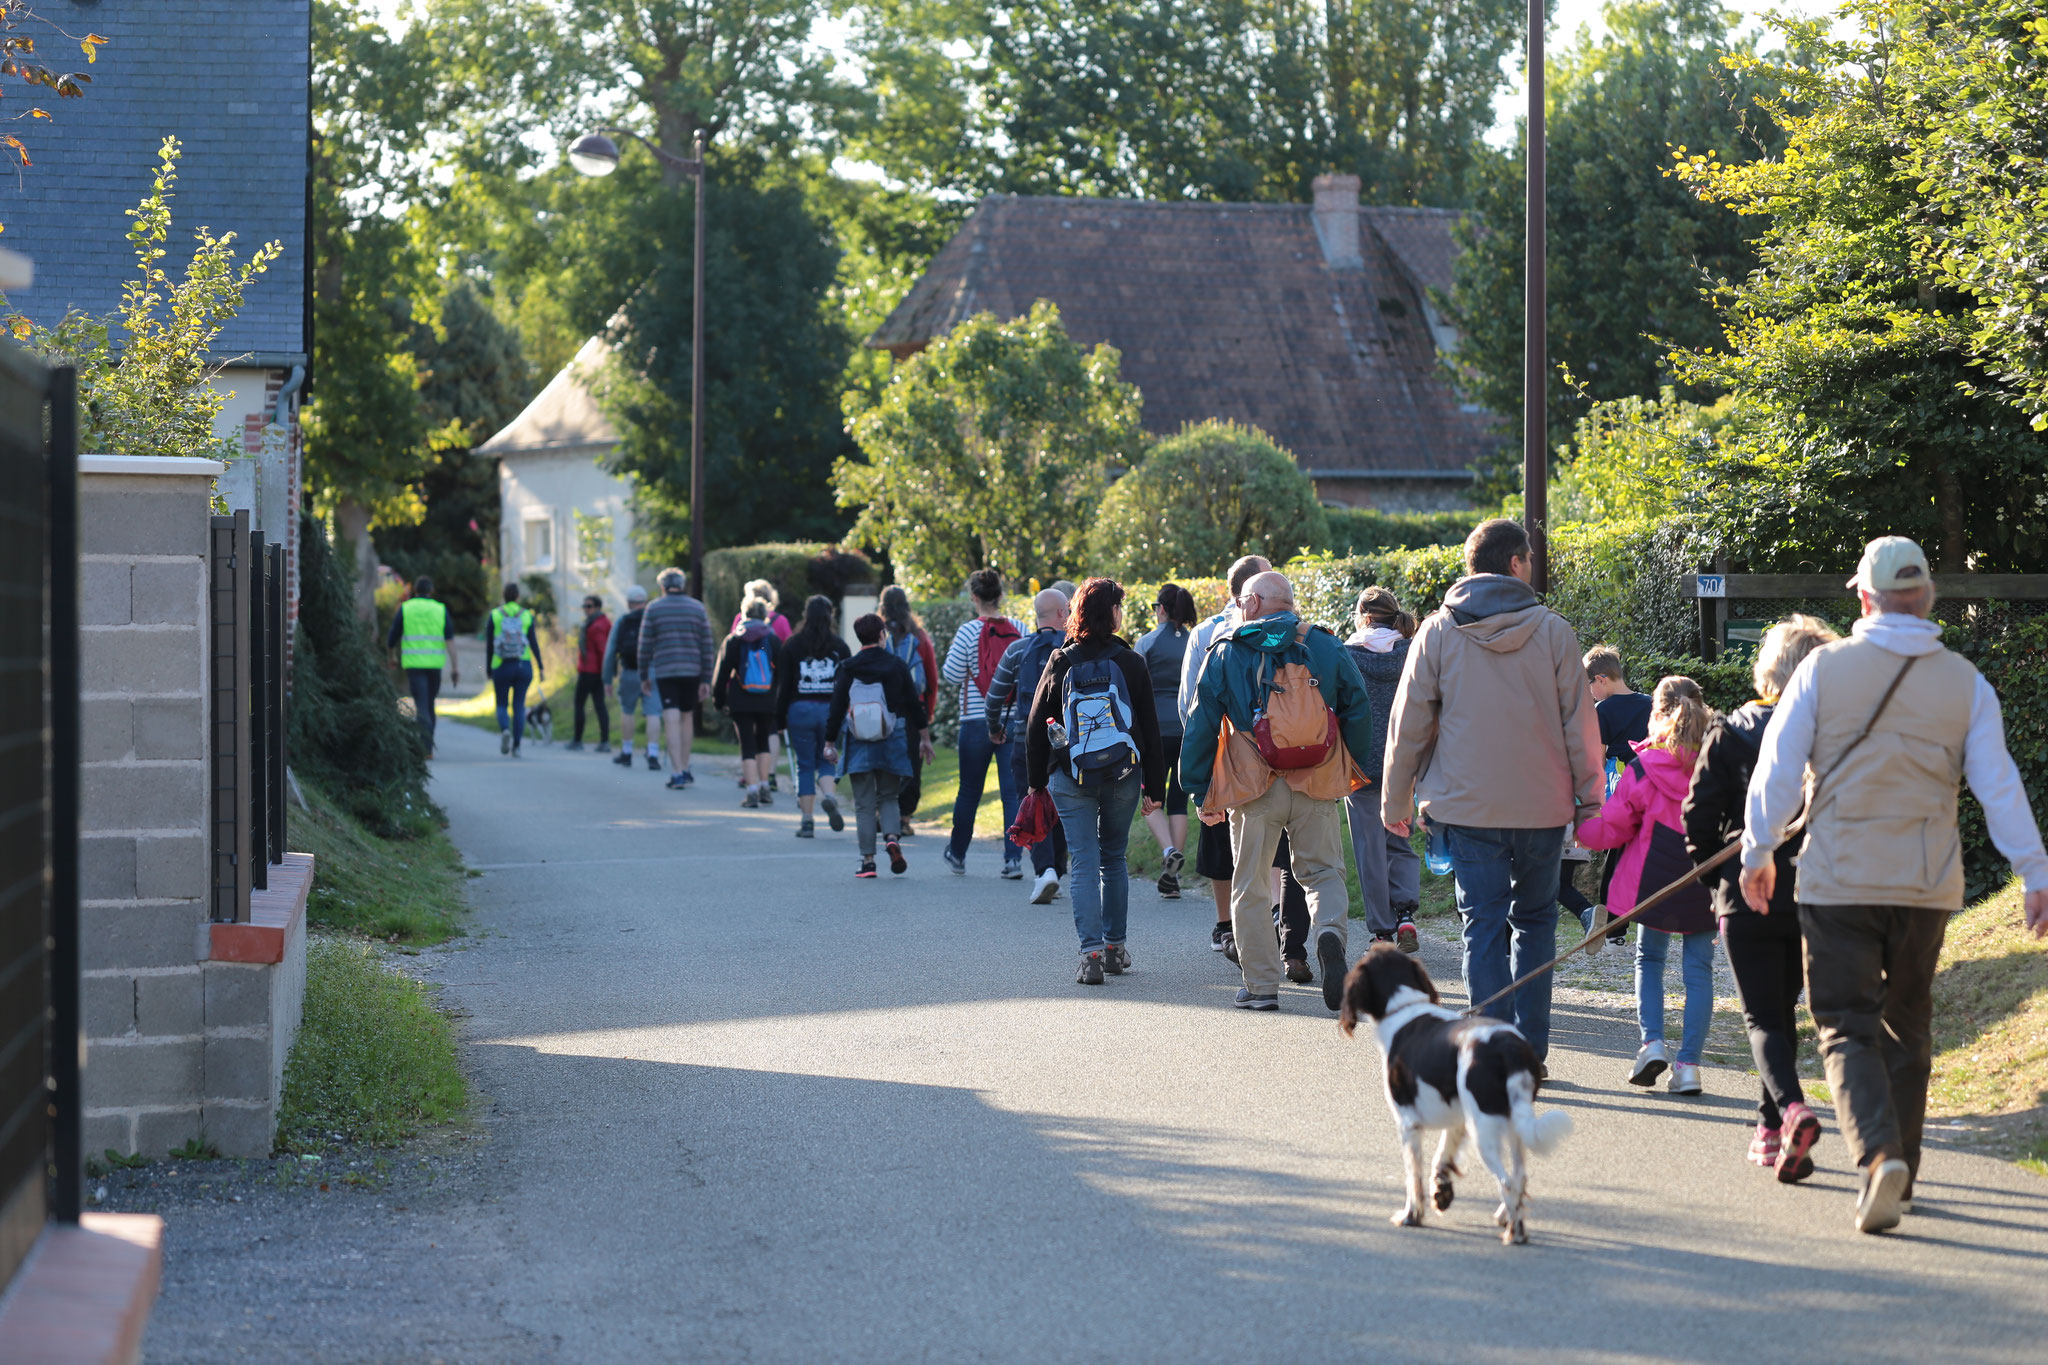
{"x":743,"y":686}
{"x":1763,"y":950}
{"x":1103,"y":760}
{"x":804,"y":675}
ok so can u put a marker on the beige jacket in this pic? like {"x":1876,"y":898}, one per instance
{"x":1493,"y":724}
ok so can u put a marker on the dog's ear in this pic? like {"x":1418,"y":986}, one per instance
{"x":1361,"y":996}
{"x":1423,"y":983}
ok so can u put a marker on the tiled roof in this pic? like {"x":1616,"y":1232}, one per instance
{"x":228,"y":79}
{"x":1228,"y":310}
{"x":562,"y":416}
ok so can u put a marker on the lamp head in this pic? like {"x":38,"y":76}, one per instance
{"x":594,"y":154}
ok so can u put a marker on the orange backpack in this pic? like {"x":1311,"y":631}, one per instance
{"x":1293,"y":726}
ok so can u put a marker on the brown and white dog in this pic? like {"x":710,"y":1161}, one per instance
{"x":1448,"y":1074}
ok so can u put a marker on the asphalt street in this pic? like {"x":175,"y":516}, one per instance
{"x":738,"y":1105}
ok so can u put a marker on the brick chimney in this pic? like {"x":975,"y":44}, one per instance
{"x":1336,"y":217}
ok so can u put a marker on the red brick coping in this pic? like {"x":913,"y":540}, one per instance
{"x":272,"y":913}
{"x":85,"y":1292}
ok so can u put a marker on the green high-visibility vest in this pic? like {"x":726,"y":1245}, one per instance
{"x":423,"y":636}
{"x":497,"y":632}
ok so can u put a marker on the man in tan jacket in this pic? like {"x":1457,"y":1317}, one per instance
{"x":1494,"y":733}
{"x":1882,"y":869}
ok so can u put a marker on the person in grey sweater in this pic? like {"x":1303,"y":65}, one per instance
{"x":1389,"y":873}
{"x":675,"y":660}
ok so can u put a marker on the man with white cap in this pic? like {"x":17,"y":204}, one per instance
{"x":1888,"y":723}
{"x":622,"y":663}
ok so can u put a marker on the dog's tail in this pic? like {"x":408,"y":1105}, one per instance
{"x":1540,"y":1133}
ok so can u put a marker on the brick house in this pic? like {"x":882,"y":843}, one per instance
{"x":1311,"y":322}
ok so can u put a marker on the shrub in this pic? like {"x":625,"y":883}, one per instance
{"x":346,"y":729}
{"x":460,"y":582}
{"x":1201,"y":498}
{"x":1364,"y":530}
{"x":797,"y":569}
{"x":1326,"y":587}
{"x":2013,"y":656}
{"x":537,"y":595}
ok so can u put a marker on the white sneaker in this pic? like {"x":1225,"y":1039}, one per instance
{"x":1045,"y":888}
{"x":1651,"y":1060}
{"x":1878,"y":1206}
{"x":1685,"y":1079}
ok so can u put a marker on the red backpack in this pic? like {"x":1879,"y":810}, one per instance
{"x":997,"y":634}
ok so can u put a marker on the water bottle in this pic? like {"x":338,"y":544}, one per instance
{"x":1056,"y":732}
{"x":1436,"y":852}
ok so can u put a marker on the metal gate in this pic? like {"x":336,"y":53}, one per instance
{"x":39,"y":1023}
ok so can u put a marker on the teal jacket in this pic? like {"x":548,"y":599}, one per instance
{"x":1230,"y":686}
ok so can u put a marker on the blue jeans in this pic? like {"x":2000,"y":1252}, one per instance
{"x":1098,"y":824}
{"x":807,"y":736}
{"x":1696,"y":966}
{"x":513,"y":676}
{"x":1507,"y":889}
{"x":976,"y":752}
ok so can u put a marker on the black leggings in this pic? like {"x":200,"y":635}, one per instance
{"x":754,"y":731}
{"x":1764,"y":954}
{"x":591,"y":685}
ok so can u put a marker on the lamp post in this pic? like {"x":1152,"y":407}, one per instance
{"x":1535,"y":357}
{"x":596,"y":154}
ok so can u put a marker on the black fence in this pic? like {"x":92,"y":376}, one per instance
{"x":247,"y":722}
{"x":40,"y":1162}
{"x":1735,"y":609}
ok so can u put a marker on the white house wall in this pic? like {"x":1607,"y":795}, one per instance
{"x":551,"y":486}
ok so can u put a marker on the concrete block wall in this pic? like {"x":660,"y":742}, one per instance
{"x":177,"y":1046}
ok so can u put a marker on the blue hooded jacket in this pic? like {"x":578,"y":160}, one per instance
{"x":1230,"y":687}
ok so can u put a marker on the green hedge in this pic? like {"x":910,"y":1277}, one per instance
{"x":1363,"y":530}
{"x":796,"y":569}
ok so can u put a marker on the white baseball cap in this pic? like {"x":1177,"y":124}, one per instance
{"x":1891,"y":563}
{"x":636,"y":593}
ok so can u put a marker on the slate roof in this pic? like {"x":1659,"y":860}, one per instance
{"x":562,"y":416}
{"x":228,"y":78}
{"x":1230,"y":310}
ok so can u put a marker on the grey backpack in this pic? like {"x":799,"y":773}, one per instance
{"x":868,"y":717}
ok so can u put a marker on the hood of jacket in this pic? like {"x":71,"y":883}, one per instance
{"x":751,"y":631}
{"x":1377,"y":665}
{"x":1669,"y":774}
{"x":870,"y":663}
{"x":1899,"y":633}
{"x":1269,"y":634}
{"x":1495,"y":611}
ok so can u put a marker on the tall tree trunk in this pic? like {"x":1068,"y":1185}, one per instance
{"x":352,"y":528}
{"x":1948,"y":505}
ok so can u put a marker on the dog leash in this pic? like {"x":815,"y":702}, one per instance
{"x":1733,"y":847}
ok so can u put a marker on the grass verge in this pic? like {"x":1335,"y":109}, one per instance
{"x":1990,"y":1014}
{"x":404,"y":890}
{"x":481,"y":711}
{"x":375,"y":1060}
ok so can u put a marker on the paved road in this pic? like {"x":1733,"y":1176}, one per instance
{"x":741,"y":1106}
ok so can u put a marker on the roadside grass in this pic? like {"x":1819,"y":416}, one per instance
{"x":374,"y":1062}
{"x":404,"y":890}
{"x":1991,"y":1015}
{"x":480,"y":710}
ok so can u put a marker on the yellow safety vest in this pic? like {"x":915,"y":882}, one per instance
{"x":498,"y":615}
{"x":423,"y":634}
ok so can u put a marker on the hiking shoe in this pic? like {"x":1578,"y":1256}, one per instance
{"x":907,"y":831}
{"x":1330,"y":962}
{"x":774,"y":782}
{"x":1297,"y":970}
{"x":1685,"y":1079}
{"x":1650,"y":1063}
{"x":1247,"y":1001}
{"x":1115,"y":959}
{"x":1230,"y":946}
{"x":1013,"y":870}
{"x":1169,"y":876}
{"x":1405,"y":938}
{"x":1878,"y":1207}
{"x":896,"y":863}
{"x":956,"y":862}
{"x":1802,"y":1130}
{"x":675,"y":782}
{"x":516,"y":751}
{"x":625,"y":758}
{"x":1091,"y":970}
{"x":750,"y":801}
{"x":602,"y":749}
{"x":1218,"y":934}
{"x":1045,"y":888}
{"x":767,"y":795}
{"x":1174,"y":860}
{"x":1169,"y":887}
{"x":866,"y":868}
{"x":504,"y":741}
{"x":806,"y":830}
{"x":653,"y":762}
{"x":574,"y":746}
{"x":686,"y":778}
{"x":830,"y":805}
{"x":1764,"y":1146}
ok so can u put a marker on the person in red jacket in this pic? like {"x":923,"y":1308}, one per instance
{"x":597,"y":629}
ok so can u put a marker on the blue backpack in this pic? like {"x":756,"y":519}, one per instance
{"x":905,"y":648}
{"x":1030,"y":668}
{"x":1096,"y":704}
{"x":758,"y":672}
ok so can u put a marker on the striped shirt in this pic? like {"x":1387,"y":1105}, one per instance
{"x":963,"y":658}
{"x":675,"y":639}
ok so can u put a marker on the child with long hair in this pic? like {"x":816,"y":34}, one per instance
{"x":1644,"y":819}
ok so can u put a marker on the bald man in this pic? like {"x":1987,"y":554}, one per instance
{"x":1234,"y":685}
{"x":1009,"y":701}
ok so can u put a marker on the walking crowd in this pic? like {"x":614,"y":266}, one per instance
{"x":1485,"y":732}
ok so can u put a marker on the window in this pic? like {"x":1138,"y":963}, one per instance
{"x":540,"y":543}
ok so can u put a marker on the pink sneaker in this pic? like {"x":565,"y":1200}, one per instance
{"x":1802,"y":1130}
{"x":1763,"y":1147}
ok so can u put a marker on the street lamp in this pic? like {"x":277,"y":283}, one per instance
{"x":1535,"y":353}
{"x":595,"y":154}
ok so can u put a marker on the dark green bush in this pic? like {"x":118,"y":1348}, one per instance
{"x":797,"y":570}
{"x":347,"y":732}
{"x":1363,"y":530}
{"x":460,"y":581}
